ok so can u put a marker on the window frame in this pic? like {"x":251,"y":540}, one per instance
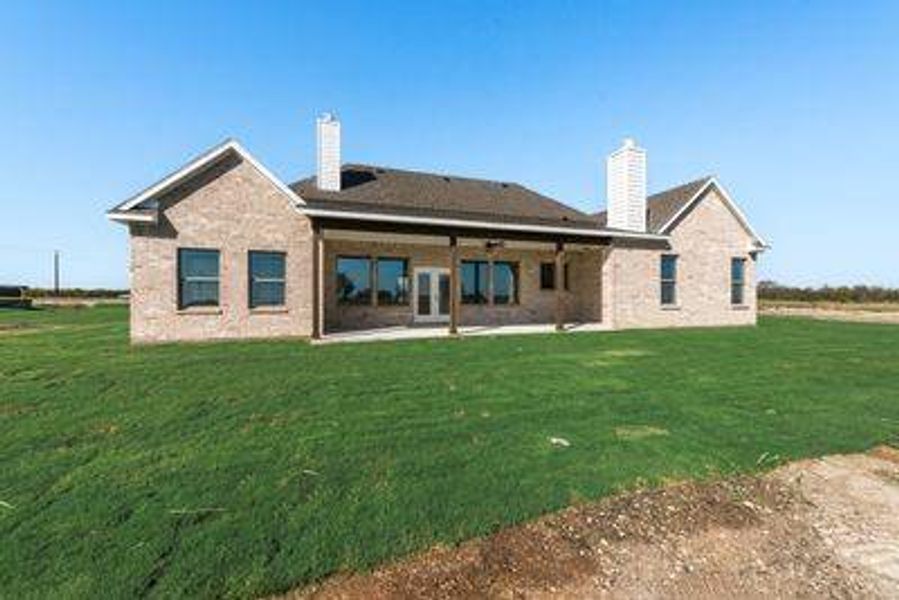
{"x":181,"y":278}
{"x":552,"y":285}
{"x":484,"y":296}
{"x":514,"y":268}
{"x":368,"y":298}
{"x":668,"y":281}
{"x":738,"y":284}
{"x":252,"y":303}
{"x":376,"y":288}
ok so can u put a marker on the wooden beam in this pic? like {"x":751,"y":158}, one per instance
{"x":559,"y":273}
{"x":316,"y":280}
{"x":454,"y":286}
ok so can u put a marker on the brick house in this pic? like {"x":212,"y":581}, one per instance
{"x":223,"y":249}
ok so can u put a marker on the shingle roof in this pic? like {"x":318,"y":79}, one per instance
{"x":394,"y":191}
{"x":661,"y":207}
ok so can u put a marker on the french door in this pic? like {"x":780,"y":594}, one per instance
{"x":431,"y":294}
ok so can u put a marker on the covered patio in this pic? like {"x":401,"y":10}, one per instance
{"x":435,"y":251}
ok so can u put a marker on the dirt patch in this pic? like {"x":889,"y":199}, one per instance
{"x":814,"y":528}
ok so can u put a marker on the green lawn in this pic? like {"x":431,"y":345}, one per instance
{"x":239,"y":469}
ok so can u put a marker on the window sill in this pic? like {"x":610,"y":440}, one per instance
{"x":268,"y":310}
{"x":670,"y":307}
{"x":200,"y":310}
{"x":740,"y":306}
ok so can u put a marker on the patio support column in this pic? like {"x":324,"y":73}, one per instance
{"x":316,"y":280}
{"x":454,"y":286}
{"x":559,"y":284}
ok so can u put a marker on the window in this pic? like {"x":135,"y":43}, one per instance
{"x":198,"y":277}
{"x":353,"y":280}
{"x":266,"y":278}
{"x":669,"y":279}
{"x":393,"y":281}
{"x":737,"y":280}
{"x":505,"y":283}
{"x":548,"y":276}
{"x":474,"y":282}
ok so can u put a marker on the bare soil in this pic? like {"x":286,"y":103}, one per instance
{"x":815,"y":528}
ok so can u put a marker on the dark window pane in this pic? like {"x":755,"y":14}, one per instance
{"x":353,"y":280}
{"x":198,"y":263}
{"x":547,"y":276}
{"x":443,"y":299}
{"x":669,"y":268}
{"x":199,"y":293}
{"x":669,"y":292}
{"x":505,"y":283}
{"x":393,"y":282}
{"x":267,"y":271}
{"x":198,"y":277}
{"x":267,"y":293}
{"x":737,"y":268}
{"x":737,"y":274}
{"x":424,"y":293}
{"x":474,"y":282}
{"x":669,"y":279}
{"x":267,"y":265}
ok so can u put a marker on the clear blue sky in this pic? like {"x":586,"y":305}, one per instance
{"x":794,"y":105}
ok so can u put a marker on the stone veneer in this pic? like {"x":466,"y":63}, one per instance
{"x":230,"y":207}
{"x":705,"y":241}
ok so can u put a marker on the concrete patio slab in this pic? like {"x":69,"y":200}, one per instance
{"x":441,"y":331}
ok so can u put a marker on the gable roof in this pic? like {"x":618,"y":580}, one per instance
{"x":664,"y":209}
{"x":367,"y":188}
{"x":139,"y":207}
{"x":662,"y":206}
{"x":399,"y":196}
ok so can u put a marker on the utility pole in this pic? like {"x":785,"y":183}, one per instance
{"x":56,"y":272}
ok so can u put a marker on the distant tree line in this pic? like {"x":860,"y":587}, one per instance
{"x":75,"y":293}
{"x":771,"y":290}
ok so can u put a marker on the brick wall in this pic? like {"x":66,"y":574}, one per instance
{"x":534,"y":306}
{"x":230,"y":207}
{"x":233,"y":208}
{"x":705,"y":241}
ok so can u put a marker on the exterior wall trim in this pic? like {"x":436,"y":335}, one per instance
{"x":462,"y":223}
{"x":208,"y":157}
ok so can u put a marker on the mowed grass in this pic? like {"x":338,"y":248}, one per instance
{"x":241,"y":469}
